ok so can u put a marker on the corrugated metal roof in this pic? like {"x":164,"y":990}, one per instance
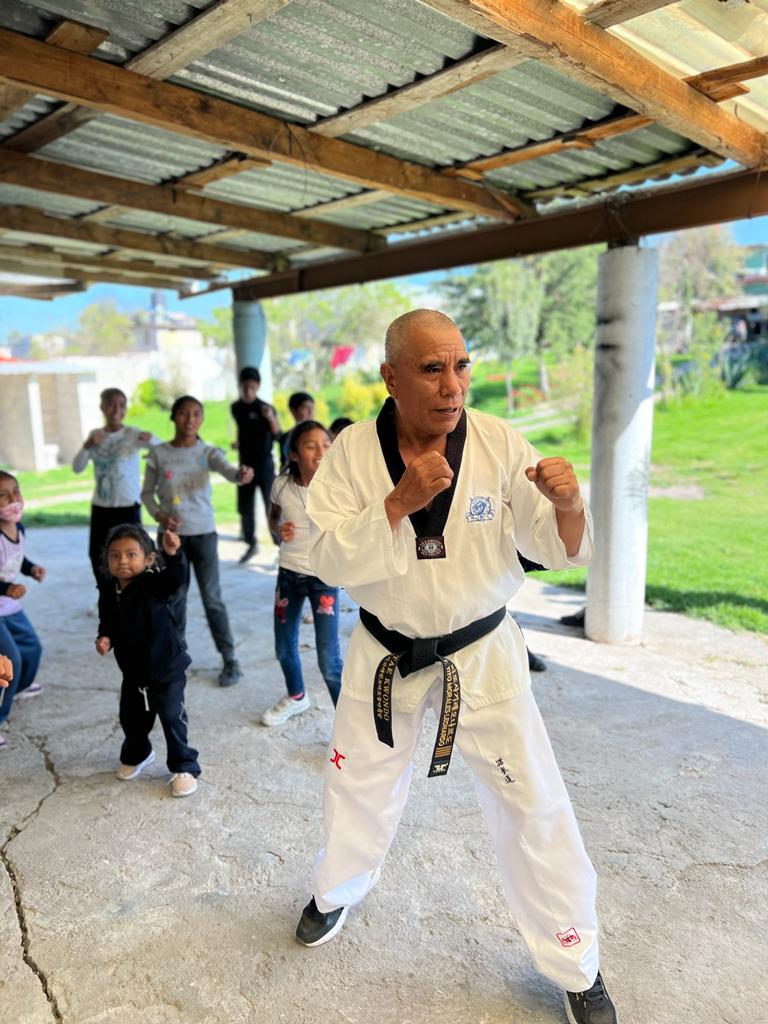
{"x":315,"y":58}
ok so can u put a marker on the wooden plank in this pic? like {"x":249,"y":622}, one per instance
{"x":203,"y":33}
{"x":43,"y":292}
{"x":47,"y":254}
{"x":712,"y":200}
{"x":113,"y":90}
{"x":28,"y":221}
{"x":678,"y":164}
{"x":70,"y":35}
{"x":590,"y":54}
{"x":606,"y":13}
{"x":79,"y":274}
{"x":730,"y":75}
{"x":458,"y":75}
{"x":236,"y":163}
{"x":345,"y":203}
{"x":46,"y":176}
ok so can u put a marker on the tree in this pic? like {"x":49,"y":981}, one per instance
{"x":219,"y":329}
{"x":498,"y":308}
{"x":102,"y":331}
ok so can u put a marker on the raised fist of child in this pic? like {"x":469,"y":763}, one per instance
{"x":16,"y":590}
{"x":103,"y":645}
{"x":37,"y":572}
{"x":286,"y":532}
{"x":244,"y":475}
{"x":6,"y":670}
{"x":95,"y":437}
{"x":171,"y":542}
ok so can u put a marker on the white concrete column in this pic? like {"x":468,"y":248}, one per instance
{"x":622,"y":421}
{"x":251,"y":346}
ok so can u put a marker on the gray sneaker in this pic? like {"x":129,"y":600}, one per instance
{"x":591,"y":1007}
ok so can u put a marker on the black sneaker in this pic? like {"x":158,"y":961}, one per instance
{"x":535,"y":663}
{"x":591,"y":1007}
{"x":315,"y":928}
{"x":230,"y":674}
{"x":250,"y":551}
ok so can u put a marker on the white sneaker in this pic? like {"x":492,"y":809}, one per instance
{"x":285,"y":708}
{"x":33,"y":690}
{"x":126,"y":772}
{"x":183,"y":784}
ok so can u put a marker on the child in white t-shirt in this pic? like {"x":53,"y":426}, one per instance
{"x":289,"y":522}
{"x":114,"y":450}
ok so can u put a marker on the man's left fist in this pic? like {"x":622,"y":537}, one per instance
{"x":557,"y":482}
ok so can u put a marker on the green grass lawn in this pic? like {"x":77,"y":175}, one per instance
{"x":706,"y":557}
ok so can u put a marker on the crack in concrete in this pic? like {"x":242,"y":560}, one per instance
{"x":13,"y":878}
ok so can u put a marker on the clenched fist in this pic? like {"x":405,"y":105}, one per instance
{"x":16,"y":591}
{"x":6,"y":670}
{"x":103,"y":645}
{"x":557,"y":482}
{"x":424,"y":477}
{"x":171,"y":542}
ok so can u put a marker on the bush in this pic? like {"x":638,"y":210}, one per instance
{"x":359,"y":400}
{"x":150,"y":394}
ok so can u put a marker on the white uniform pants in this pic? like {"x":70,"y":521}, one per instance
{"x":547,"y":877}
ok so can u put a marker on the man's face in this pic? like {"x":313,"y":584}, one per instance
{"x":248,"y":391}
{"x":429,"y":380}
{"x":305,"y":411}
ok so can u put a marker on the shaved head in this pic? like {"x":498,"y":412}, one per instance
{"x":401,"y":330}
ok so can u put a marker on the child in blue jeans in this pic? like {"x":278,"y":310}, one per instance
{"x":18,"y":639}
{"x":289,"y":523}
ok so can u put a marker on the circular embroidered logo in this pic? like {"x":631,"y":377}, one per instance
{"x":480,"y":508}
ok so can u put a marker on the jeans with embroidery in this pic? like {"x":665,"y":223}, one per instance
{"x":292,"y":590}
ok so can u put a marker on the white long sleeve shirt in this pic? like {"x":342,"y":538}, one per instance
{"x":177,"y":482}
{"x":115,"y":466}
{"x":495,"y":510}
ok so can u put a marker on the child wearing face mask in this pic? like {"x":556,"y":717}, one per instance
{"x":136,"y":622}
{"x":18,"y":640}
{"x":289,"y":524}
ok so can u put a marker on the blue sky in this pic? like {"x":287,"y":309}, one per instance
{"x":30,"y":316}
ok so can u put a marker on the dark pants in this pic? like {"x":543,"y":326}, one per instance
{"x":19,"y":642}
{"x":202,"y":555}
{"x":292,"y":590}
{"x":167,"y":703}
{"x":246,"y":501}
{"x":102,"y":521}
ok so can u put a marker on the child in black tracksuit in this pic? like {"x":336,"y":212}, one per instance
{"x":135,"y":620}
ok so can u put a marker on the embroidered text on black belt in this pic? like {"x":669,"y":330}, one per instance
{"x":409,"y":654}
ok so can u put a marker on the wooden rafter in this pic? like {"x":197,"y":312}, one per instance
{"x":634,"y":176}
{"x":222,"y":21}
{"x":720,"y":84}
{"x":36,"y":254}
{"x":345,"y":203}
{"x":44,"y":292}
{"x":32,"y":172}
{"x":235,"y":163}
{"x":25,"y":220}
{"x":563,"y":39}
{"x":458,"y":75}
{"x":606,"y":13}
{"x":74,"y":273}
{"x":70,"y":35}
{"x":102,"y":86}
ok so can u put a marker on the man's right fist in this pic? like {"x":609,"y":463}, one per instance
{"x":424,"y":477}
{"x":103,"y":645}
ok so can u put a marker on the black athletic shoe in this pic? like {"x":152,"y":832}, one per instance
{"x":315,"y":928}
{"x":576,"y":620}
{"x":535,"y":663}
{"x":230,"y":674}
{"x":591,"y":1007}
{"x":250,"y":551}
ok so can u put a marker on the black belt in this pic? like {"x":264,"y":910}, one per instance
{"x":409,"y":654}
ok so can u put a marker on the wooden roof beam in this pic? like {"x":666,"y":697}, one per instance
{"x":61,"y":270}
{"x":458,"y":75}
{"x":70,"y":35}
{"x":587,"y":53}
{"x":104,"y":87}
{"x":43,"y":292}
{"x":607,"y":13}
{"x":47,"y":254}
{"x":46,"y":176}
{"x":214,"y":27}
{"x":720,"y":84}
{"x":26,"y":220}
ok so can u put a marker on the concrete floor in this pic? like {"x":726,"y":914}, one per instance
{"x":120,"y":904}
